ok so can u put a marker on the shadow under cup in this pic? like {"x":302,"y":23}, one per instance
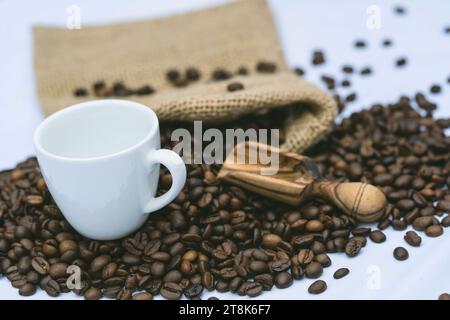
{"x":93,"y":159}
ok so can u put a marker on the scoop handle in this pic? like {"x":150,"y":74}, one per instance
{"x":362,"y":201}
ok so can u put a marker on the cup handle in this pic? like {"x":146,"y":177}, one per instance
{"x":172,"y":161}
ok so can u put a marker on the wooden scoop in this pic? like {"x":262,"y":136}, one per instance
{"x":298,"y":179}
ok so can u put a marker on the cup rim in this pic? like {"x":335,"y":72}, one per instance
{"x":92,"y":104}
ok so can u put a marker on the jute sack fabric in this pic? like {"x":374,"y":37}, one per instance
{"x":138,"y":53}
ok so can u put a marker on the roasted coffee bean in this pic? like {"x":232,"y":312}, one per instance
{"x":317,"y":287}
{"x":142,"y":296}
{"x":220,"y":74}
{"x":27,"y":289}
{"x":360,"y":44}
{"x":270,"y":241}
{"x":314,"y":270}
{"x":266,"y":280}
{"x":400,"y":62}
{"x":173,"y":75}
{"x":318,"y":57}
{"x":401,"y":254}
{"x":208,"y":280}
{"x":313,"y":226}
{"x":171,"y":290}
{"x":377,"y":236}
{"x":144,"y":90}
{"x":353,"y":247}
{"x":24,"y":264}
{"x":235,"y":86}
{"x":194,"y":290}
{"x":305,"y":256}
{"x":50,"y":286}
{"x":387,"y":42}
{"x":444,"y":205}
{"x":323,"y":259}
{"x":413,"y":239}
{"x":283,"y":280}
{"x":93,"y":294}
{"x":242,"y":71}
{"x":446,"y":221}
{"x":253,"y":289}
{"x":258,"y":267}
{"x":422,"y":223}
{"x":99,"y":263}
{"x":124,"y":294}
{"x":192,"y":74}
{"x":340,"y":273}
{"x":365,"y":71}
{"x":40,"y":265}
{"x":58,"y":270}
{"x":351,"y":97}
{"x":80,"y":92}
{"x":434,"y":231}
{"x":67,"y":245}
{"x":266,"y":67}
{"x":444,"y":296}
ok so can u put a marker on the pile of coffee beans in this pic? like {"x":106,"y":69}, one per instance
{"x":215,"y":236}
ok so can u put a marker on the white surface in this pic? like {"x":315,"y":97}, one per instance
{"x":109,"y":167}
{"x":304,"y":26}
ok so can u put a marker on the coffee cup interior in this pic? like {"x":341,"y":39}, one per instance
{"x":96,"y":129}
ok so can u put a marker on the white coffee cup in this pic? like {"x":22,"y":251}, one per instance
{"x":100,"y":160}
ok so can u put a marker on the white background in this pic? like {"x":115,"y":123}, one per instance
{"x":304,"y":26}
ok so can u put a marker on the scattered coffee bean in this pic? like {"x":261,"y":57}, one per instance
{"x":221,"y":74}
{"x":399,"y":10}
{"x":360,"y":44}
{"x":266,"y":67}
{"x":387,"y":42}
{"x":400,"y":62}
{"x":242,"y":71}
{"x":377,"y":236}
{"x":401,"y":254}
{"x":347,"y":69}
{"x":413,"y":239}
{"x":351,"y":97}
{"x":235,"y":86}
{"x":192,"y":74}
{"x":366,"y":71}
{"x":299,"y":71}
{"x":80,"y":92}
{"x":318,"y":57}
{"x":317,"y":287}
{"x":340,"y":273}
{"x":346,"y":83}
{"x":144,"y":90}
{"x":444,"y":296}
{"x":173,"y":75}
{"x":435,"y":88}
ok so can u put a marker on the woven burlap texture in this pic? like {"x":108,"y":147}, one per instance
{"x":229,"y":36}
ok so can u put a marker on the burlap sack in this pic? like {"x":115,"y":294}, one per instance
{"x":229,"y":36}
